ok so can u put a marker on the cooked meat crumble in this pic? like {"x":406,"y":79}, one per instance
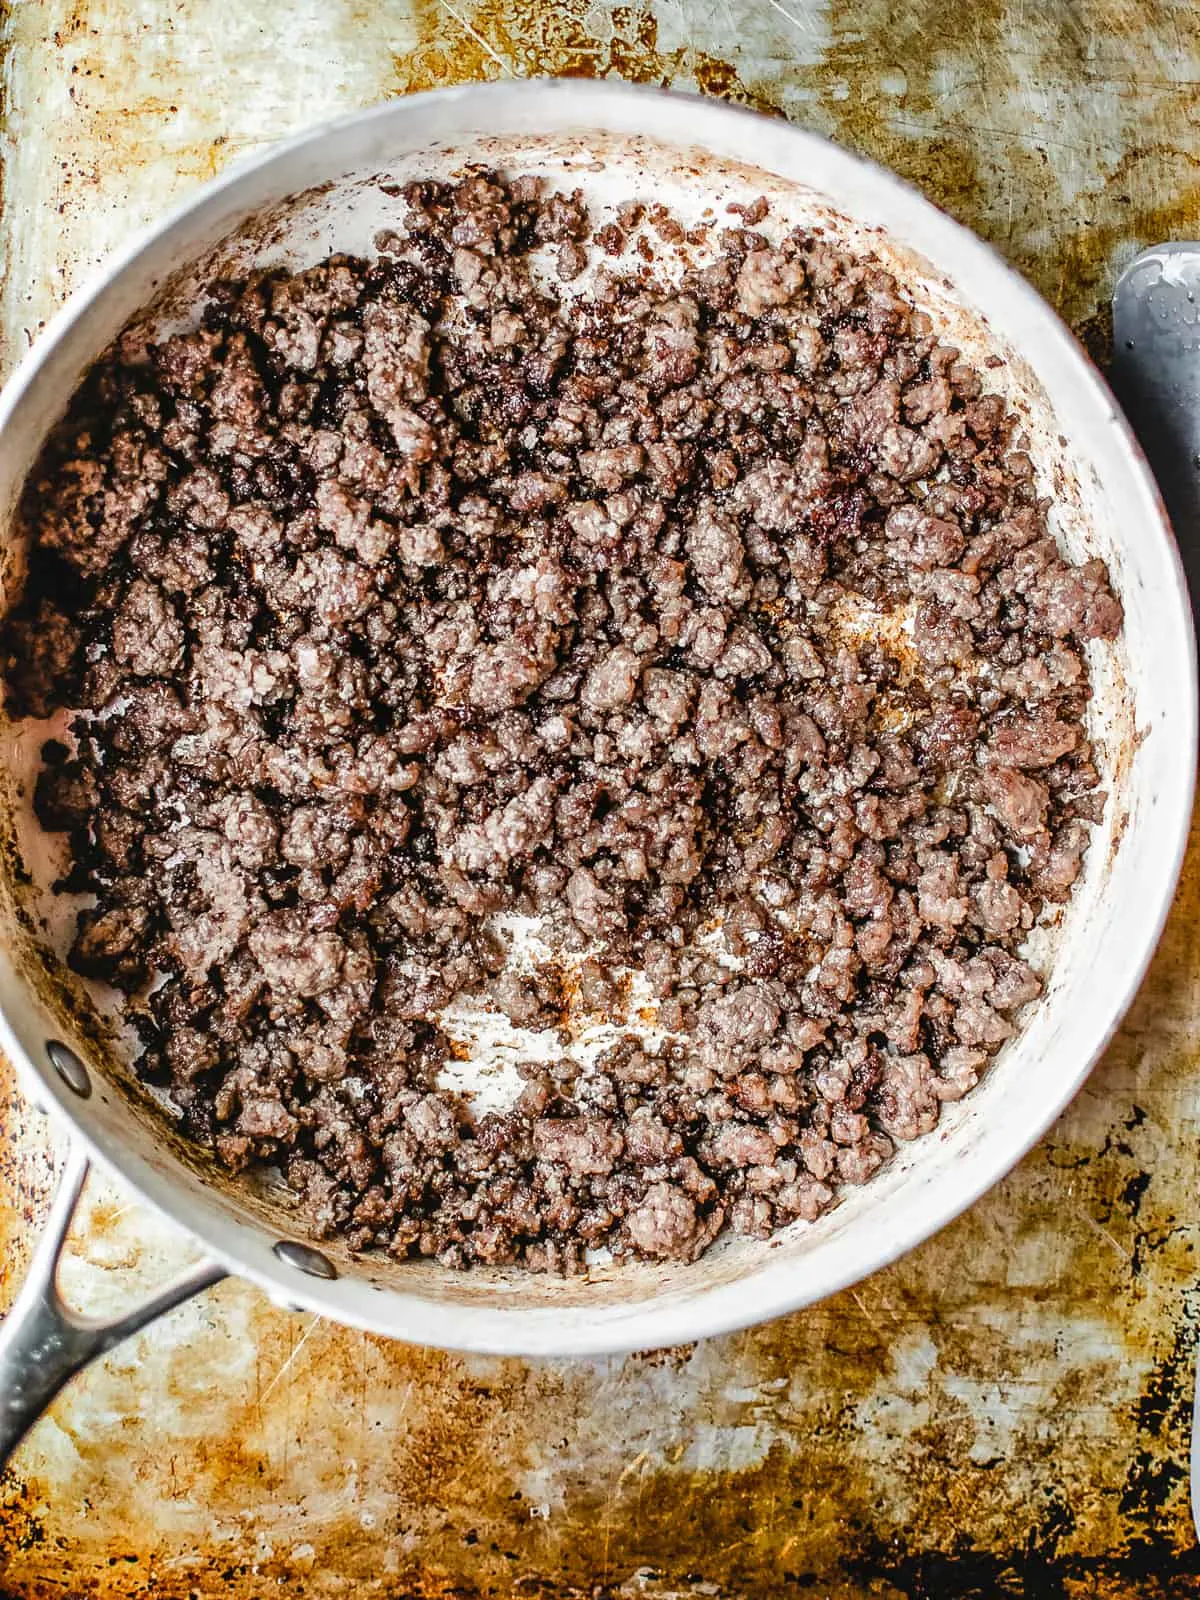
{"x":712,"y":629}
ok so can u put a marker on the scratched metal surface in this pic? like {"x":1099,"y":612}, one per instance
{"x":1006,"y":1411}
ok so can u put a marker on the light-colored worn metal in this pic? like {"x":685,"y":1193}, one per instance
{"x":1005,"y":1411}
{"x":43,"y":1344}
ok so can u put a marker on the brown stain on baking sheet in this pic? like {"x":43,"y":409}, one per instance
{"x":516,"y":38}
{"x":1061,"y":133}
{"x":1004,"y":1413}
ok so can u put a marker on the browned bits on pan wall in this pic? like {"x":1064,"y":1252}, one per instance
{"x":1004,"y":1413}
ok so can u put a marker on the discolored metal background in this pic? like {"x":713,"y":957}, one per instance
{"x":1006,"y":1411}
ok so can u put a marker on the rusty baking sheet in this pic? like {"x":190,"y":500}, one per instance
{"x":1003,"y":1413}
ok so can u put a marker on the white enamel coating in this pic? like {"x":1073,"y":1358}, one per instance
{"x":616,"y":142}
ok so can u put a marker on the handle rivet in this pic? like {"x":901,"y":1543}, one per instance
{"x":305,"y":1259}
{"x":69,"y":1067}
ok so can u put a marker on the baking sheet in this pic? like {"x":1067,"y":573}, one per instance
{"x":1006,"y":1411}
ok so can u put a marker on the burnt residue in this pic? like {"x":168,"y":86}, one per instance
{"x":1150,"y":1570}
{"x":24,"y":1529}
{"x":1162,"y":1417}
{"x":1004,"y":1413}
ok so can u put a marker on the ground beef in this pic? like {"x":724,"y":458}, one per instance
{"x":717,"y":628}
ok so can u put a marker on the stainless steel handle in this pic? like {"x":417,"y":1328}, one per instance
{"x":42,"y":1343}
{"x":1156,"y":377}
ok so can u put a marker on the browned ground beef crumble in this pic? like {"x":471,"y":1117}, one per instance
{"x":412,"y":590}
